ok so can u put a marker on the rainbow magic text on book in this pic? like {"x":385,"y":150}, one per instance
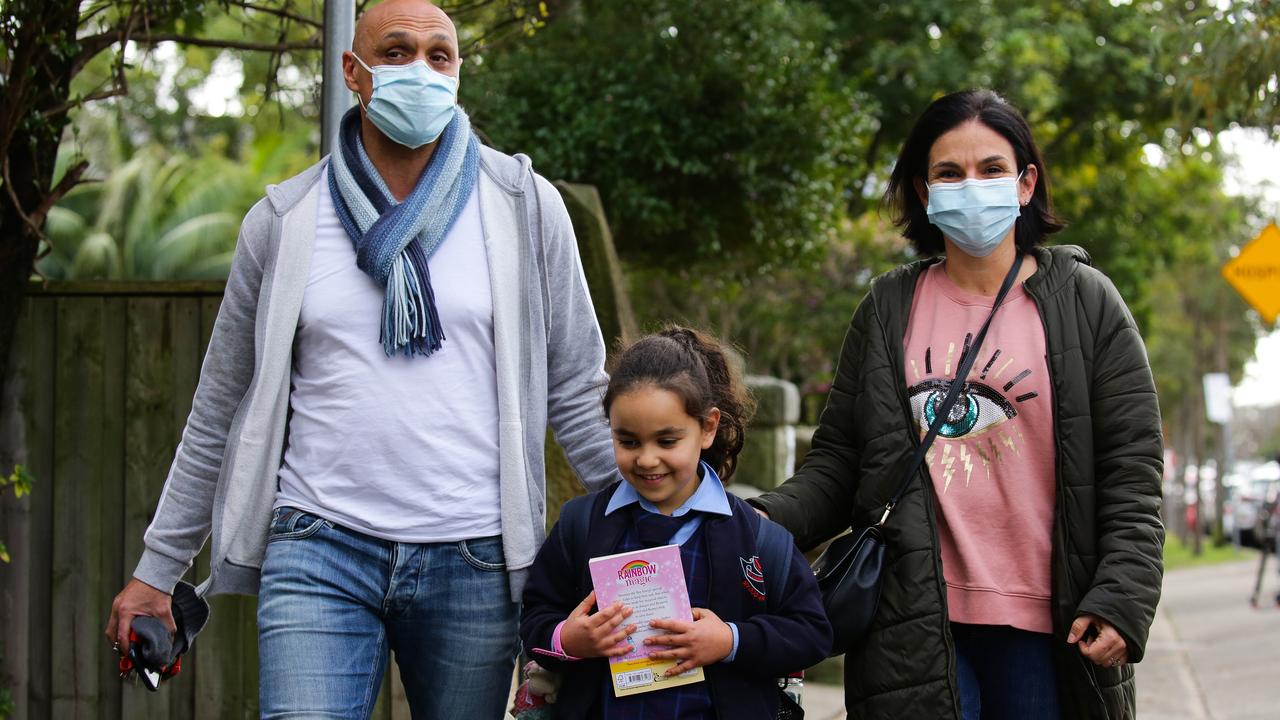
{"x":651,"y":583}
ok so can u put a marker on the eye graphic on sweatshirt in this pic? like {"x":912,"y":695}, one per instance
{"x":977,"y":409}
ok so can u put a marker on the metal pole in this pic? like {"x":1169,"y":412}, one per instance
{"x":335,"y":98}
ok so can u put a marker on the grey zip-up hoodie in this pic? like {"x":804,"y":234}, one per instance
{"x":550,"y":368}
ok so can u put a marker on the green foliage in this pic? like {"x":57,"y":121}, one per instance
{"x":1231,"y":52}
{"x":790,"y":317}
{"x":1141,"y":211}
{"x":725,"y":139}
{"x":709,"y":127}
{"x":1068,"y":66}
{"x":163,"y":214}
{"x":179,"y":163}
{"x":21,"y":481}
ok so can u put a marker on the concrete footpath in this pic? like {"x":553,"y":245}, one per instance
{"x":823,"y":702}
{"x":1211,"y":656}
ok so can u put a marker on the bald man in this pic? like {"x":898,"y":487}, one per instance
{"x":401,"y":323}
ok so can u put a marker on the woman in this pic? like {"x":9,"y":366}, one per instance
{"x":1023,"y":568}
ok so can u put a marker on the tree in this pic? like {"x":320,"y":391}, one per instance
{"x":710,"y":127}
{"x":47,"y":45}
{"x":629,"y":111}
{"x":1231,"y":52}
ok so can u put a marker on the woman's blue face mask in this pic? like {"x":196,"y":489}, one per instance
{"x":975,"y":214}
{"x":411,"y":104}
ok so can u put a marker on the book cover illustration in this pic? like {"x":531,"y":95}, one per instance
{"x":651,"y":583}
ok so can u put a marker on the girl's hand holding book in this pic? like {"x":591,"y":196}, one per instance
{"x":586,"y":634}
{"x":705,"y":641}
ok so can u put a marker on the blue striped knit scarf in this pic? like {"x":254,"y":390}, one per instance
{"x":393,"y":241}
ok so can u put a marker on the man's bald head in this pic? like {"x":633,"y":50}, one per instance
{"x":398,"y":32}
{"x":401,"y":15}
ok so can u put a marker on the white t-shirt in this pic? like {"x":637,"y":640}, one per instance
{"x":400,"y":448}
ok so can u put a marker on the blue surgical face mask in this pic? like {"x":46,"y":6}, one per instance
{"x":975,"y":214}
{"x":411,"y":104}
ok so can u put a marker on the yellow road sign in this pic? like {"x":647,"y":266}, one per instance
{"x":1255,"y":273}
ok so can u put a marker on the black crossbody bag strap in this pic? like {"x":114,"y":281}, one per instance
{"x":962,"y":373}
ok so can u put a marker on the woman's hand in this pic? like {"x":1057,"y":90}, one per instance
{"x":705,"y":641}
{"x":586,"y":634}
{"x":1104,"y":647}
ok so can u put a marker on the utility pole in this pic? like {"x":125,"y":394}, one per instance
{"x":335,"y":98}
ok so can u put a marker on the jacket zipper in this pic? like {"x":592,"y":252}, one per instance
{"x":1058,"y":566}
{"x":926,"y":482}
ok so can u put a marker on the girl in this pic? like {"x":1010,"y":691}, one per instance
{"x":677,"y":413}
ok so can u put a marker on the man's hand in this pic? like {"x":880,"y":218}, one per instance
{"x":586,"y":634}
{"x":705,"y":641}
{"x":138,"y":598}
{"x":1104,"y":647}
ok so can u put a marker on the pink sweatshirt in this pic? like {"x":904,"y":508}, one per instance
{"x":992,"y":464}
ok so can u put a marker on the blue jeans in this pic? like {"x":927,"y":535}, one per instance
{"x":333,"y":602}
{"x":1005,"y":673}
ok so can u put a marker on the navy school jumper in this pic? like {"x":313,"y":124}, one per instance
{"x":795,"y":637}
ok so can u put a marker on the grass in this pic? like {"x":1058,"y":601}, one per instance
{"x":1177,"y":555}
{"x":828,"y":672}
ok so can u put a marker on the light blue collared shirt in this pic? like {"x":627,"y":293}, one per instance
{"x":710,"y":497}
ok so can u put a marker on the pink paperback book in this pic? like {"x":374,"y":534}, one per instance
{"x":651,"y":583}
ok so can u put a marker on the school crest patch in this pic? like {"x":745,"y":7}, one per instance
{"x":753,"y":576}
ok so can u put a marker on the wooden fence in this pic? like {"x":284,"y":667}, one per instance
{"x":104,"y":378}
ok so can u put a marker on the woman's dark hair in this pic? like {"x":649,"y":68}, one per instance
{"x":943,"y":115}
{"x":696,"y":367}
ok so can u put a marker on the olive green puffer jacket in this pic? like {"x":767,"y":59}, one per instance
{"x":1107,"y":535}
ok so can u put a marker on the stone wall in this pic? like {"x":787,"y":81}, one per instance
{"x":769,"y":456}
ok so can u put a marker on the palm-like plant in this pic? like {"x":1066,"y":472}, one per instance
{"x":163,"y":215}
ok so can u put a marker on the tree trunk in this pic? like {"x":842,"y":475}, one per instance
{"x":1224,"y":437}
{"x":37,"y":80}
{"x":1184,"y":450}
{"x":1197,"y":430}
{"x":15,"y":268}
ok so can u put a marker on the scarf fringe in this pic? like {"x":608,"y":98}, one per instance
{"x":410,"y":322}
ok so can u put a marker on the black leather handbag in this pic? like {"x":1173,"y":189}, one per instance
{"x":849,"y":571}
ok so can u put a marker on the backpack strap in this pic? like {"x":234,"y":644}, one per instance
{"x":575,"y":524}
{"x":774,"y":544}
